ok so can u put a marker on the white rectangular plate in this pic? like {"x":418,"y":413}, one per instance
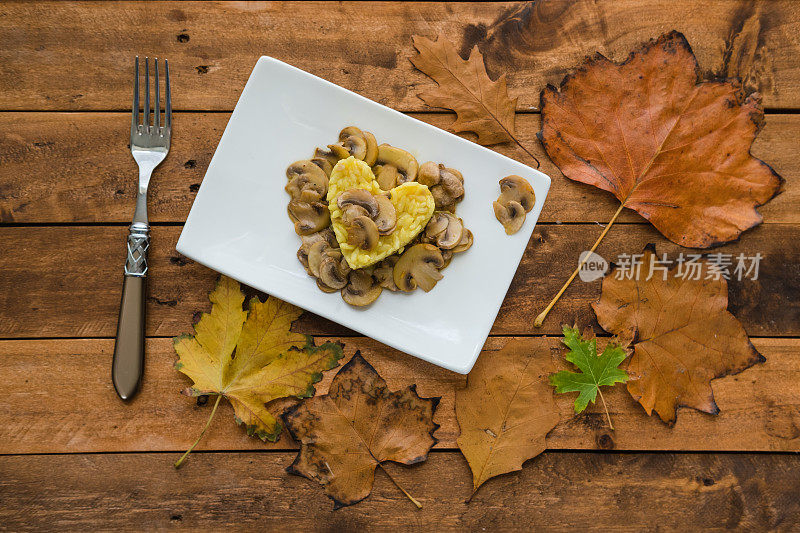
{"x":238,"y":224}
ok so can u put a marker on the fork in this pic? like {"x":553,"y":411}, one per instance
{"x":149,"y":146}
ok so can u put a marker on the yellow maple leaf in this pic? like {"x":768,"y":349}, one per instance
{"x":251,"y":358}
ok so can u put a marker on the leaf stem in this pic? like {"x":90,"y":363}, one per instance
{"x":525,"y":149}
{"x":608,"y":416}
{"x":396,"y":484}
{"x":540,"y":319}
{"x":208,"y":423}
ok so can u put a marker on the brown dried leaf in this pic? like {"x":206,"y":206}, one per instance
{"x":673,"y":148}
{"x":482,"y":106}
{"x":506,"y":410}
{"x":346,"y":434}
{"x":681,"y":333}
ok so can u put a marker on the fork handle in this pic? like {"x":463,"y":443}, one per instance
{"x":128,"y":363}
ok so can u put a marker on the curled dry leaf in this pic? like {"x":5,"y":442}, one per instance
{"x":673,"y":148}
{"x":347,"y":433}
{"x":681,"y":333}
{"x":506,"y":410}
{"x":482,"y":106}
{"x":251,"y":358}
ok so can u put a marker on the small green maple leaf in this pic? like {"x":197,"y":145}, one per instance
{"x":595,"y":371}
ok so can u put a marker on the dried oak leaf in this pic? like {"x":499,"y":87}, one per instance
{"x":681,"y":333}
{"x":506,"y":410}
{"x":673,"y":148}
{"x":251,"y":358}
{"x":482,"y":106}
{"x":347,"y":433}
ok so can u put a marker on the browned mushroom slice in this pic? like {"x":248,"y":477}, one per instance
{"x":436,"y":225}
{"x":465,"y":243}
{"x":386,"y":219}
{"x":362,"y":233}
{"x":383,"y":272}
{"x":351,"y":212}
{"x":447,"y":256}
{"x":325,"y":160}
{"x":308,"y":218}
{"x":401,"y":162}
{"x":307,"y":181}
{"x":333,"y":272}
{"x":511,"y":215}
{"x":354,"y":136}
{"x":361,"y":289}
{"x":360,"y":197}
{"x":418,"y":266}
{"x":517,"y":189}
{"x":325,"y":288}
{"x":451,"y":236}
{"x":446,"y":184}
{"x":315,"y":255}
{"x":326,"y":235}
{"x":386,"y":176}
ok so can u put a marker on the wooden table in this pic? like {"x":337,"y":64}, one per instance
{"x":75,"y":457}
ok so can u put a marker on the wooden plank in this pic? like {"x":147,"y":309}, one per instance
{"x":59,"y":399}
{"x":556,"y":491}
{"x":52,"y":172}
{"x":49,"y":62}
{"x":66,"y":281}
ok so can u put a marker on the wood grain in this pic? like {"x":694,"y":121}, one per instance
{"x":66,"y":281}
{"x":59,"y":399}
{"x":49,"y":58}
{"x":52,"y":172}
{"x":556,"y":491}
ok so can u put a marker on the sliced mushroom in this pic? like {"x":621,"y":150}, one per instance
{"x":351,"y":212}
{"x":326,"y":235}
{"x":383,"y":272}
{"x":315,"y":255}
{"x":359,"y":144}
{"x":445,"y":230}
{"x":309,"y":218}
{"x":447,"y":256}
{"x":333,"y":271}
{"x":517,"y":189}
{"x":363,"y":233}
{"x":361,"y":289}
{"x":307,"y":181}
{"x":418,"y":266}
{"x":516,"y":199}
{"x":465,"y":243}
{"x":325,"y":160}
{"x":436,"y":225}
{"x":446,"y":184}
{"x":386,"y":219}
{"x":451,"y":236}
{"x":325,"y":288}
{"x":386,"y":176}
{"x":404,"y":164}
{"x":360,"y":197}
{"x":511,"y":215}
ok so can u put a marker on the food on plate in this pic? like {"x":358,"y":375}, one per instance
{"x":515,"y":201}
{"x":371,"y":218}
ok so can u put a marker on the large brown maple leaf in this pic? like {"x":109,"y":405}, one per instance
{"x":667,"y":145}
{"x":672,"y":148}
{"x":346,"y":434}
{"x":680,"y":330}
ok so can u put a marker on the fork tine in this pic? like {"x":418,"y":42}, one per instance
{"x":157,"y":107}
{"x":168,"y":97}
{"x":146,"y":94}
{"x":135,"y":110}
